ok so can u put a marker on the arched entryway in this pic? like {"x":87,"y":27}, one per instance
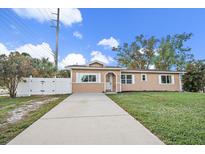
{"x":110,"y":82}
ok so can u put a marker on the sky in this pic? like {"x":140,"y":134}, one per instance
{"x":89,"y":34}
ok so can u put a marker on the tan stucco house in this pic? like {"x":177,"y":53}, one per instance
{"x":97,"y":77}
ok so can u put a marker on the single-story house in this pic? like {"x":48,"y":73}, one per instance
{"x":97,"y":77}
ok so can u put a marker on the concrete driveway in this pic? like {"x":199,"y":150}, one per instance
{"x":86,"y":118}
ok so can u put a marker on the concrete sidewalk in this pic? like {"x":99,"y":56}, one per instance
{"x":86,"y":118}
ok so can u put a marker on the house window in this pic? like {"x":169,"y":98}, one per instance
{"x":87,"y":78}
{"x":166,"y":79}
{"x":144,"y":77}
{"x":127,"y":79}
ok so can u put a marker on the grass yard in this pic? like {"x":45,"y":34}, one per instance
{"x":176,"y":118}
{"x":19,"y":113}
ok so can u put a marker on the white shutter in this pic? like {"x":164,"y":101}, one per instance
{"x":98,"y":78}
{"x":160,"y":79}
{"x":78,"y":75}
{"x":172,"y":79}
{"x":133,"y":79}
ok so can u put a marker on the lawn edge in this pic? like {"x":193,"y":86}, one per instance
{"x":141,"y":122}
{"x":5,"y":143}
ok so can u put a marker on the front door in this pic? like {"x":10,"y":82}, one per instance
{"x":109,"y":83}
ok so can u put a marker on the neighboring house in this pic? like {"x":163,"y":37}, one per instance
{"x":97,"y":77}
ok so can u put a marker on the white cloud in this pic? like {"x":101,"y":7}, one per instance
{"x":67,"y":16}
{"x":3,"y":49}
{"x":78,"y":59}
{"x":111,"y":42}
{"x":70,"y":16}
{"x":36,"y":51}
{"x":72,"y":59}
{"x":77,"y":35}
{"x":39,"y":51}
{"x":97,"y":55}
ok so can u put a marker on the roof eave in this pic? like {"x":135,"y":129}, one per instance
{"x":96,"y":68}
{"x":153,"y":71}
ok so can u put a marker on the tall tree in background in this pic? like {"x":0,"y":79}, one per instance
{"x":43,"y":68}
{"x":139,"y":54}
{"x":12,"y":69}
{"x":147,"y":49}
{"x":129,"y":56}
{"x":182,"y":53}
{"x":172,"y":53}
{"x":63,"y":74}
{"x":165,"y":54}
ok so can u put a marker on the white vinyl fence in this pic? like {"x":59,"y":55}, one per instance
{"x":44,"y":86}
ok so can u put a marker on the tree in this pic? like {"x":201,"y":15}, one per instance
{"x":165,"y":54}
{"x":43,"y":68}
{"x":139,"y":54}
{"x":172,"y":53}
{"x":12,"y":69}
{"x":147,"y":49}
{"x":63,"y":74}
{"x":182,"y":54}
{"x":194,"y":79}
{"x":3,"y":59}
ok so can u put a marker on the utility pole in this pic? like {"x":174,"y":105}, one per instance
{"x":57,"y":33}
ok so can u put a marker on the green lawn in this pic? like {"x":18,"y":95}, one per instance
{"x":9,"y":130}
{"x":176,"y":118}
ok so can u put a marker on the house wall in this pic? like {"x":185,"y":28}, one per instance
{"x":93,"y":87}
{"x":152,"y":83}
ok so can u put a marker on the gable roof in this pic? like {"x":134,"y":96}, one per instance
{"x":96,"y":61}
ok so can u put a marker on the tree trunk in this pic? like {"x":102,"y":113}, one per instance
{"x":12,"y":87}
{"x":12,"y":95}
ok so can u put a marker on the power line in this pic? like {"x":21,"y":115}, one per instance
{"x":20,"y":23}
{"x":26,"y":28}
{"x":48,"y":13}
{"x":9,"y":31}
{"x":44,"y":13}
{"x":24,"y":36}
